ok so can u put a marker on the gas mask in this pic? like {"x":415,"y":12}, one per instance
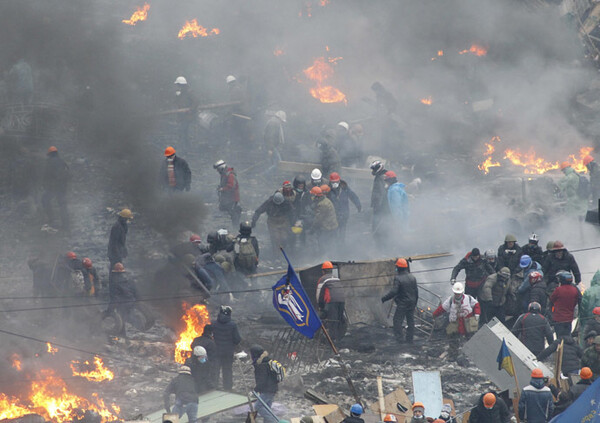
{"x":335,"y":185}
{"x":202,"y":359}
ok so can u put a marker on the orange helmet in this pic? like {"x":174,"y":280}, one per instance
{"x":389,"y":174}
{"x":71,"y":255}
{"x":401,"y":263}
{"x":326,"y":189}
{"x":585,"y":373}
{"x":587,"y":159}
{"x":390,"y":418}
{"x":537,"y":373}
{"x":334,"y":177}
{"x":327,"y":265}
{"x":169,"y":151}
{"x":316,"y":191}
{"x":564,"y":165}
{"x":489,"y":400}
{"x":118,"y":268}
{"x":87,"y":263}
{"x":195,"y":238}
{"x":52,"y":149}
{"x":596,"y":311}
{"x":418,"y":404}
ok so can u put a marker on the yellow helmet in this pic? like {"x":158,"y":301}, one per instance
{"x":126,"y":213}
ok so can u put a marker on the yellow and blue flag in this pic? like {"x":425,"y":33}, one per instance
{"x":290,"y":300}
{"x":504,"y":359}
{"x":586,"y":408}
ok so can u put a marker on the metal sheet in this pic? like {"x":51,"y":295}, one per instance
{"x":482,"y":349}
{"x":427,"y":388}
{"x":208,"y":404}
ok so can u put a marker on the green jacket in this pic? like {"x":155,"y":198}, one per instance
{"x":568,"y":187}
{"x":591,"y":359}
{"x":591,"y":298}
{"x":325,"y":218}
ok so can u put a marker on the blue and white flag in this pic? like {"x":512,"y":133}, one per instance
{"x":290,"y":300}
{"x":585,"y":409}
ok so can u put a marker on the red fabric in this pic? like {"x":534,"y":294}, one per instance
{"x":439,"y":311}
{"x":461,"y":320}
{"x":564,"y":298}
{"x":232,"y":185}
{"x":327,"y":296}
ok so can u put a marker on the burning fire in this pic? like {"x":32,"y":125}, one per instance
{"x":192,"y":29}
{"x":475,"y":49}
{"x":277,"y":52}
{"x":93,"y":372}
{"x":195,"y":319}
{"x":50,"y":349}
{"x":16,"y":361}
{"x":141,"y":14}
{"x":428,"y":101}
{"x":319,"y":72}
{"x":529,"y":160}
{"x":50,"y":398}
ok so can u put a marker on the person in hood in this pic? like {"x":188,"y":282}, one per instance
{"x":533,"y":291}
{"x":266,"y":381}
{"x":558,"y":259}
{"x":533,"y":329}
{"x":227,"y":336}
{"x":117,"y":248}
{"x":175,"y":174}
{"x":186,"y":397}
{"x":536,"y":404}
{"x":490,"y":408}
{"x":405,"y":294}
{"x":492,"y":296}
{"x":509,"y":254}
{"x":446,"y":414}
{"x":355,"y":412}
{"x":568,"y":186}
{"x":589,"y":301}
{"x":476,"y":271}
{"x":340,"y":196}
{"x":397,"y":200}
{"x":571,"y":357}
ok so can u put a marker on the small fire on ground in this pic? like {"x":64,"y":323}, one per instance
{"x":195,"y":318}
{"x":193,"y":29}
{"x":531,"y":163}
{"x":94,"y":372}
{"x":475,"y":49}
{"x":319,"y":72}
{"x":141,"y":14}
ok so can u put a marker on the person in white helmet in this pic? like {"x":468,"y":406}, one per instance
{"x":201,"y":369}
{"x":238,"y":121}
{"x":186,"y":106}
{"x":459,"y":307}
{"x":274,"y":138}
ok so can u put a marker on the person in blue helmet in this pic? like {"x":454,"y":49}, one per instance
{"x":355,"y":412}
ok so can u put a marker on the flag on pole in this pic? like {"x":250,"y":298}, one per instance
{"x":505,"y":360}
{"x":290,"y":300}
{"x":586,"y":408}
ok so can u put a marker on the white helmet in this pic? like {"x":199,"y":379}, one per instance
{"x":220,"y":164}
{"x":199,"y":351}
{"x":281,"y":115}
{"x":316,"y":175}
{"x":458,"y":288}
{"x":230,"y":78}
{"x":181,"y":80}
{"x":344,"y":125}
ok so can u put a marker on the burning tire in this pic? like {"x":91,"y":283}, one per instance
{"x":112,"y":323}
{"x":142,"y":317}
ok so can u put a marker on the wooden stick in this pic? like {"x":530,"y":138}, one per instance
{"x":381,"y":401}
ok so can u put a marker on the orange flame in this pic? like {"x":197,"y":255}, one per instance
{"x":192,"y":29}
{"x":141,"y":14}
{"x":485,"y":166}
{"x":440,"y":53}
{"x":530,"y":161}
{"x":323,"y":3}
{"x":428,"y":101}
{"x":16,"y":361}
{"x":50,"y":349}
{"x":50,"y":398}
{"x":93,"y":372}
{"x":475,"y":49}
{"x":319,"y":72}
{"x":195,"y":319}
{"x":277,"y":52}
{"x":577,"y":164}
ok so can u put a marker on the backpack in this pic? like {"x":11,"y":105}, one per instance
{"x":583,"y":188}
{"x":246,"y":254}
{"x":277,"y":369}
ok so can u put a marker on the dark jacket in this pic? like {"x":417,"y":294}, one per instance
{"x":564,"y":299}
{"x":208,"y":344}
{"x":594,"y":171}
{"x":379,"y":194}
{"x":329,"y":290}
{"x":90,"y":279}
{"x":201,"y":372}
{"x":572,"y":354}
{"x":552,"y":264}
{"x":536,"y":404}
{"x":591,"y":359}
{"x":265,"y":379}
{"x":510,"y":257}
{"x":475,"y":271}
{"x":184,"y":388}
{"x":405,"y":291}
{"x":56,"y":174}
{"x":497,"y":414}
{"x":183,"y":174}
{"x":537,"y":293}
{"x":122,"y":289}
{"x":226,"y":335}
{"x":283,"y":212}
{"x":531,"y":329}
{"x":534,"y":251}
{"x":117,"y":250}
{"x":579,"y":388}
{"x":341,"y":198}
{"x":352,"y":419}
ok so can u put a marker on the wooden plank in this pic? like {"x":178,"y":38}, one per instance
{"x":298,"y":167}
{"x":390,"y":405}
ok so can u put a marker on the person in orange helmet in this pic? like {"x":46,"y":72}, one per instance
{"x":405,"y":294}
{"x":536,"y":403}
{"x":585,"y":375}
{"x":175,"y":174}
{"x":594,"y":172}
{"x":490,"y":408}
{"x":331,"y":301}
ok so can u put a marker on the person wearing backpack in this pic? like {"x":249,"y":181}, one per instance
{"x":246,"y":250}
{"x":570,"y":190}
{"x":267,"y":375}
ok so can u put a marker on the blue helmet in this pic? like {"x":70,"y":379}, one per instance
{"x":525,"y":261}
{"x":356,"y":409}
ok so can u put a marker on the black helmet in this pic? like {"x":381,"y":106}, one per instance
{"x":535,"y":306}
{"x":245,"y":228}
{"x":299,"y":180}
{"x":376,"y":166}
{"x":212,"y":237}
{"x":564,"y":277}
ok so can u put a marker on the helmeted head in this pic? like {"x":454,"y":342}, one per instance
{"x":230,"y":79}
{"x":401,"y":263}
{"x":126,"y":214}
{"x":184,"y":370}
{"x":376,"y":166}
{"x":489,"y":400}
{"x":535,"y":277}
{"x":169,"y":152}
{"x":327,"y":266}
{"x":504,"y":273}
{"x":564,"y":277}
{"x":490,"y":255}
{"x":549,"y":245}
{"x":525,"y":261}
{"x":281,"y":115}
{"x":564,"y":165}
{"x":534,"y":307}
{"x":278,"y":198}
{"x":316,"y":176}
{"x":537,"y":373}
{"x":390,"y":177}
{"x":458,"y":289}
{"x":390,"y":418}
{"x":199,"y":351}
{"x":225,"y":310}
{"x":299,"y":183}
{"x":356,"y":410}
{"x":334,"y":177}
{"x":118,"y":268}
{"x":245,"y":228}
{"x":87,"y":263}
{"x":510,"y":240}
{"x":180,"y":80}
{"x":585,"y":373}
{"x":534,"y":239}
{"x":316,"y":192}
{"x":418,"y":409}
{"x":325,"y":189}
{"x":343,"y":125}
{"x":52,"y":150}
{"x":195,"y":239}
{"x":220,"y":166}
{"x":71,"y":255}
{"x":446,"y":411}
{"x":558,"y":249}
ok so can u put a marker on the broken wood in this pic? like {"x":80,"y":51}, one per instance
{"x":381,"y":401}
{"x":200,"y":107}
{"x":297,"y":167}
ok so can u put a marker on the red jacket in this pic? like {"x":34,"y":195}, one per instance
{"x":229,"y":186}
{"x":445,"y":307}
{"x":564,"y":299}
